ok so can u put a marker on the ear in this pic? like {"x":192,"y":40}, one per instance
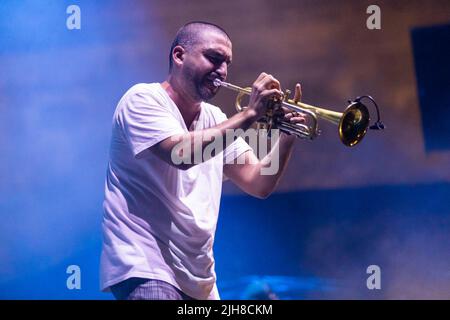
{"x":178,"y":55}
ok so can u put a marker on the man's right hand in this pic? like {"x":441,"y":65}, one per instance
{"x":264,"y":88}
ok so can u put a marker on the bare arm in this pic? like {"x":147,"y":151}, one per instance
{"x":186,"y":146}
{"x":259,"y":178}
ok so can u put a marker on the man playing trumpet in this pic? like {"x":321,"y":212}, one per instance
{"x":160,"y":215}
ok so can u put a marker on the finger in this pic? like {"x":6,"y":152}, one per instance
{"x":258,"y":84}
{"x":272,"y":83}
{"x":300,"y":119}
{"x":288,"y":116}
{"x":294,"y":115}
{"x":267,"y":81}
{"x":298,"y":92}
{"x":261,"y":76}
{"x":271,"y":93}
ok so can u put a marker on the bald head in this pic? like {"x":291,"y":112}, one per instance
{"x":191,"y":34}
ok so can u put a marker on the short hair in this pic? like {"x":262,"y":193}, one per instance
{"x":188,"y":36}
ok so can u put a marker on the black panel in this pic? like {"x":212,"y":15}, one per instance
{"x":431,"y":46}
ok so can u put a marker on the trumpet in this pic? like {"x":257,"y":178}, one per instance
{"x":352,"y":124}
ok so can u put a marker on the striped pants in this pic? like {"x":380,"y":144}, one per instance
{"x":147,"y":289}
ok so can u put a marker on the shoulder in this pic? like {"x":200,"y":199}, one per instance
{"x":143,"y":100}
{"x":145,"y":95}
{"x":146,"y":89}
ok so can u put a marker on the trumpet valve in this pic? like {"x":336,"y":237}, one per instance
{"x":286,"y":95}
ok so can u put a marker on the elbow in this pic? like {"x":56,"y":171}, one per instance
{"x":266,"y":190}
{"x":264,"y":193}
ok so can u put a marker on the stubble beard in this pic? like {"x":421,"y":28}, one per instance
{"x":198,"y":87}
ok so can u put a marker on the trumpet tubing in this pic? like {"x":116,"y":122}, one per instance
{"x":352,"y":123}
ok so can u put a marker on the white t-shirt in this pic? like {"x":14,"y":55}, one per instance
{"x":159,"y":222}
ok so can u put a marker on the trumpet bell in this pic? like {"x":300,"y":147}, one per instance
{"x":354,"y":123}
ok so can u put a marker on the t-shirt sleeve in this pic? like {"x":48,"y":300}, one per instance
{"x":236,"y":148}
{"x":145,"y":122}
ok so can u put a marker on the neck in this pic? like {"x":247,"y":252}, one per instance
{"x":189,"y":107}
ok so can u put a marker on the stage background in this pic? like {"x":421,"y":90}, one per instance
{"x":336,"y":211}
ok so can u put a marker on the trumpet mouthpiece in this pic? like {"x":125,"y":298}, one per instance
{"x":217,"y":82}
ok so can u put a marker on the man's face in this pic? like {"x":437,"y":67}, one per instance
{"x":206,"y":61}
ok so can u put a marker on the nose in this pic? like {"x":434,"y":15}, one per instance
{"x":223,"y":70}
